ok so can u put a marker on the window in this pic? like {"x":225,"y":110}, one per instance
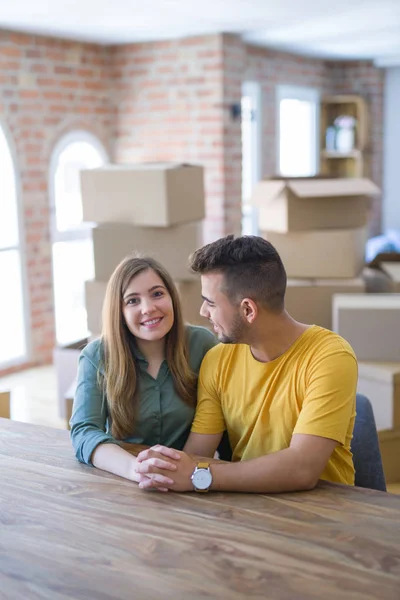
{"x":297,"y":131}
{"x":71,"y":237}
{"x":13,"y":344}
{"x":251,"y":153}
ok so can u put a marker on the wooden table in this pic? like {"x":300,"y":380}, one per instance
{"x":72,"y":531}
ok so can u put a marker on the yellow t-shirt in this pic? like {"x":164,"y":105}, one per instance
{"x":310,"y":389}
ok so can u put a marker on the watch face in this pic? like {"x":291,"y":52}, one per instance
{"x":202,"y":479}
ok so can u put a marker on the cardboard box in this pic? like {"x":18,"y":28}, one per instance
{"x":380,"y":382}
{"x":309,"y":204}
{"x":170,"y":246}
{"x":5,"y":405}
{"x":376,"y":281}
{"x":392,"y":270}
{"x":189,"y":293}
{"x":389,"y":442}
{"x":95,"y":292}
{"x":326,"y":254}
{"x":310,"y":300}
{"x":370,"y":323}
{"x":191,"y":301}
{"x":386,"y":267}
{"x":151,"y":195}
{"x":65,"y":360}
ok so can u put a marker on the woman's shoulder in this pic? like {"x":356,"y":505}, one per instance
{"x":200,"y":340}
{"x":197,"y":333}
{"x":94,"y":351}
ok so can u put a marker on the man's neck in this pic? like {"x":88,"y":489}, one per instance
{"x":275,"y":335}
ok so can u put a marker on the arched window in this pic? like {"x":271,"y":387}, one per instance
{"x":71,"y":237}
{"x":13,"y":345}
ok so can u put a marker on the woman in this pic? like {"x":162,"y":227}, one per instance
{"x":137,"y":383}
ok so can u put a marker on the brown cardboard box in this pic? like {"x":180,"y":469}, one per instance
{"x":151,"y":195}
{"x":310,"y":300}
{"x":5,"y":405}
{"x":392,"y":269}
{"x":327,"y":254}
{"x":171,"y":246}
{"x":370,"y":323}
{"x":311,"y":204}
{"x":389,"y":442}
{"x":95,"y":292}
{"x":191,"y":301}
{"x":65,"y":360}
{"x":189,"y":293}
{"x":380,"y":382}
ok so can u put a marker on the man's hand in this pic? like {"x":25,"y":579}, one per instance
{"x":165,"y":466}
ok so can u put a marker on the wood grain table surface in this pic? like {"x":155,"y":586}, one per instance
{"x":71,"y":531}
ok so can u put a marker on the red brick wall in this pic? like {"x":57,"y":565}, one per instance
{"x":277,"y":68}
{"x":170,"y":100}
{"x":47,"y":87}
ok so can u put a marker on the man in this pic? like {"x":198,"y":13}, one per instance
{"x":284,"y":391}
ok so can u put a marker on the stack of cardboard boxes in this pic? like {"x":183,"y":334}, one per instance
{"x":371,"y":323}
{"x":319,"y":227}
{"x":155,"y":209}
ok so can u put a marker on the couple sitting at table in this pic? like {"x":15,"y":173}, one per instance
{"x":284,"y":391}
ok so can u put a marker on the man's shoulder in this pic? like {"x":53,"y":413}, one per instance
{"x":226,"y":352}
{"x":326,"y":341}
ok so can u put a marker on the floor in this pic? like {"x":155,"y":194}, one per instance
{"x":34,"y":400}
{"x":34,"y":396}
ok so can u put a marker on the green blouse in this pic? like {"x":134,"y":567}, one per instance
{"x":163,"y":417}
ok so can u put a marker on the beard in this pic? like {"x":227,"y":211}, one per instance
{"x":236,"y":333}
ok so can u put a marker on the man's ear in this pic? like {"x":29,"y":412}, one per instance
{"x":249,"y":309}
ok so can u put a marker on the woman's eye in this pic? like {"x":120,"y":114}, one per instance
{"x":158,"y":294}
{"x":132,"y":301}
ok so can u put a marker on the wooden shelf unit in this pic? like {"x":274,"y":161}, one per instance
{"x":349,"y":164}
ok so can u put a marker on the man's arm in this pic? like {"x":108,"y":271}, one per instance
{"x":296,"y":468}
{"x":323,"y":423}
{"x":202,"y":444}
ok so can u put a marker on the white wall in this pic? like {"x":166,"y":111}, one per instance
{"x":391,"y":150}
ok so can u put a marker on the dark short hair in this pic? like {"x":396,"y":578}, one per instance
{"x":251,"y":267}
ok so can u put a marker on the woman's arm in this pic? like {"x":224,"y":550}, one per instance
{"x":112,"y":458}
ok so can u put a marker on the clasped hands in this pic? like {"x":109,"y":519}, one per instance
{"x":163,"y":469}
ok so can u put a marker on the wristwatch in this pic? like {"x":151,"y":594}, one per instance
{"x":202,"y":477}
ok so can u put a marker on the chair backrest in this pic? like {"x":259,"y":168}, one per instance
{"x":365,"y":448}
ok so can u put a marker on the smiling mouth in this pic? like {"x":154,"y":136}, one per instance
{"x":152,"y":322}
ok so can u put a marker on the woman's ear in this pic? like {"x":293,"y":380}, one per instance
{"x":249,"y":309}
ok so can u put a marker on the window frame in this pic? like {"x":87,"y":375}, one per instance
{"x":84,"y":231}
{"x":249,"y":212}
{"x":302,"y":93}
{"x":77,"y":135}
{"x":21,"y":249}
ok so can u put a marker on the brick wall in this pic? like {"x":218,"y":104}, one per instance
{"x":47,"y":87}
{"x":271,"y":69}
{"x":171,"y":103}
{"x":157,"y":101}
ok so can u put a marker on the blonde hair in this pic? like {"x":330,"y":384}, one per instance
{"x":120,"y":381}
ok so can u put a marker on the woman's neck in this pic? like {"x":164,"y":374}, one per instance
{"x":152,"y":350}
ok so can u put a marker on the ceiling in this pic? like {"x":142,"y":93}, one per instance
{"x":355,"y":29}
